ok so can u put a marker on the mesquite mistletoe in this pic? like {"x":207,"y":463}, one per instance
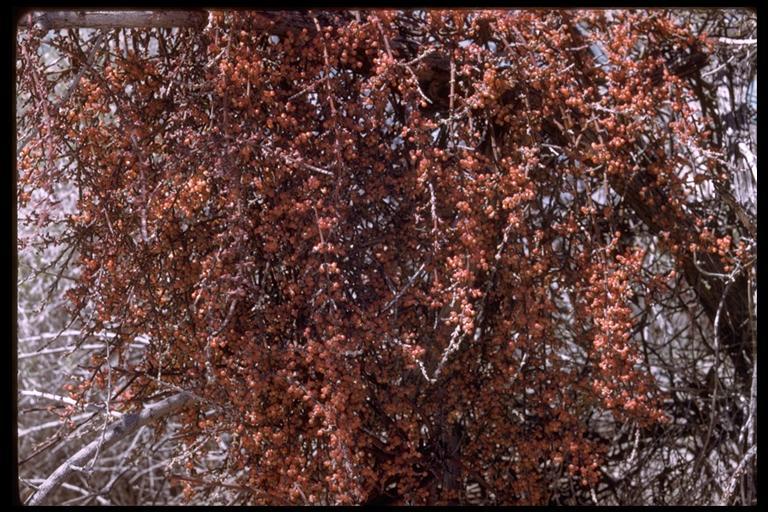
{"x":397,"y":253}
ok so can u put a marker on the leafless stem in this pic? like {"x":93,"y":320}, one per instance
{"x":96,"y":46}
{"x":52,"y":20}
{"x":118,"y":430}
{"x":408,"y":284}
{"x":736,"y":474}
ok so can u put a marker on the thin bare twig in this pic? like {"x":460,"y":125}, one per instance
{"x":88,"y":61}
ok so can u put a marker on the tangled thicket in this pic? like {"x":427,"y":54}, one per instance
{"x":396,"y":253}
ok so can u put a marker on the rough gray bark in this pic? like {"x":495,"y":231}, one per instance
{"x":114,"y":19}
{"x":125,"y":426}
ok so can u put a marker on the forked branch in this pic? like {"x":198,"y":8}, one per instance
{"x":125,"y":426}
